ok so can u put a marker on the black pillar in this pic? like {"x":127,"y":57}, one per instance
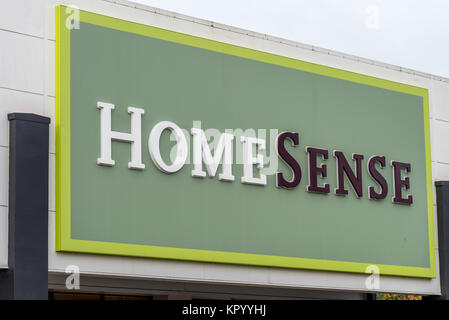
{"x":27,"y":275}
{"x":442,"y":188}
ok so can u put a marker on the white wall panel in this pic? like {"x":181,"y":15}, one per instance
{"x":21,"y":62}
{"x":435,"y":225}
{"x":440,"y":141}
{"x":4,"y":174}
{"x":441,"y":171}
{"x":3,"y":237}
{"x":50,"y":19}
{"x":433,"y":139}
{"x":434,"y":178}
{"x":51,"y":183}
{"x":23,"y":16}
{"x":50,"y":68}
{"x":16,"y":101}
{"x":242,"y":274}
{"x":50,"y":112}
{"x":440,"y":95}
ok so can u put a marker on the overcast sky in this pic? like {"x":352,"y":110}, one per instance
{"x":409,"y":33}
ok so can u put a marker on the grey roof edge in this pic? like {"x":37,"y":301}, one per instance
{"x":275,"y":39}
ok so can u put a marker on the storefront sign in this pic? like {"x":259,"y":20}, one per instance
{"x":177,"y":147}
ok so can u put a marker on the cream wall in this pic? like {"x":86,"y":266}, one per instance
{"x":27,"y":47}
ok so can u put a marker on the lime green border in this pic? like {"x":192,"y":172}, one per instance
{"x":65,"y":243}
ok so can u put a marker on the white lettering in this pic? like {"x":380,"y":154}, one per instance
{"x":155,"y":153}
{"x":107,"y":135}
{"x":249,"y":160}
{"x":202,"y":152}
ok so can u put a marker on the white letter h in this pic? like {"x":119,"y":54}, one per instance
{"x":107,"y":135}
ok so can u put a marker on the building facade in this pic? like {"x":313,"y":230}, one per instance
{"x":41,"y":62}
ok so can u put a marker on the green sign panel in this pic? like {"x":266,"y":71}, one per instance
{"x":176,"y":147}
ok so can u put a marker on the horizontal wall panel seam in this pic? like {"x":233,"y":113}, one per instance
{"x":21,"y":33}
{"x":23,"y":91}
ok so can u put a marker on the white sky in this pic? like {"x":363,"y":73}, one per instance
{"x":409,"y":33}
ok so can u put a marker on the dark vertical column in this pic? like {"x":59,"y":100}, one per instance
{"x":371,"y":296}
{"x":27,"y":276}
{"x":442,"y":188}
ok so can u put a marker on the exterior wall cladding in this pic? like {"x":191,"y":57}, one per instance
{"x":27,"y":84}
